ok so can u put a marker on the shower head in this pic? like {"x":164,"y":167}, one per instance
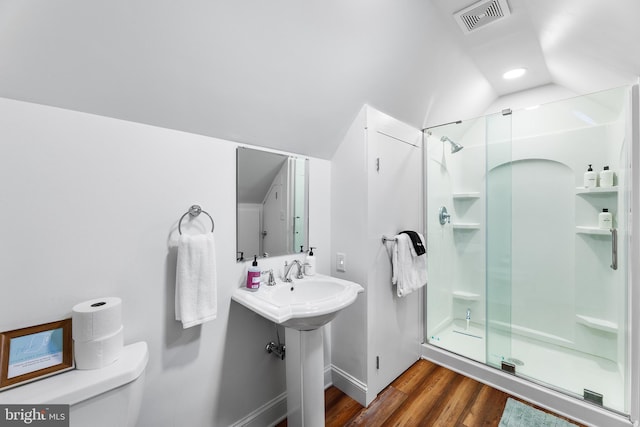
{"x":455,"y":147}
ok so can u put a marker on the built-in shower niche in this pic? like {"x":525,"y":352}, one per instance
{"x":523,"y":251}
{"x":466,"y":331}
{"x":597,"y":295}
{"x":466,"y":207}
{"x":468,"y":241}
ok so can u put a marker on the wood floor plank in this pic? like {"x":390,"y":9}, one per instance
{"x":458,"y":402}
{"x":341,"y":411}
{"x":413,"y":377}
{"x":333,"y":397}
{"x":486,"y":409}
{"x":418,"y":405}
{"x":380,"y":409}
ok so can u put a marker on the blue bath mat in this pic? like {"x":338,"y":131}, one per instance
{"x":518,"y":414}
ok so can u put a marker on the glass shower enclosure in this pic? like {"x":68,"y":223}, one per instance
{"x":523,"y":274}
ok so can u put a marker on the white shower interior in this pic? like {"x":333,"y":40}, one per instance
{"x":549,"y":303}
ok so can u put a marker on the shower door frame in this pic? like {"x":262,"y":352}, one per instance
{"x":633,"y":254}
{"x":544,"y":396}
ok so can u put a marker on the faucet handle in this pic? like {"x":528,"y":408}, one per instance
{"x":271,"y":281}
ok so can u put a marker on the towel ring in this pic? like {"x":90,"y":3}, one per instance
{"x":194,"y":211}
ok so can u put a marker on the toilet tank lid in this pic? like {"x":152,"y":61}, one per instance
{"x":77,"y":385}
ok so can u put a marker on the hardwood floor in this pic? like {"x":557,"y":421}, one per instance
{"x":424,"y":395}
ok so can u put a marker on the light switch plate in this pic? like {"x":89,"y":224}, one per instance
{"x":341,"y":262}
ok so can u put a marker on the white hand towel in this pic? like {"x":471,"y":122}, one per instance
{"x":196,"y":284}
{"x":409,"y":269}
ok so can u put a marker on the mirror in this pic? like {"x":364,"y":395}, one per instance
{"x":272,"y":204}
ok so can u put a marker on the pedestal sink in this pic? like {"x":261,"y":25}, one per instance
{"x":303,"y":307}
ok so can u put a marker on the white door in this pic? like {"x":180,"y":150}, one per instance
{"x":395,"y":174}
{"x":273,"y":221}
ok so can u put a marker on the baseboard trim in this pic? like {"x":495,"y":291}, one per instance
{"x":328,"y":381}
{"x":275,"y":410}
{"x":349,"y":385}
{"x":269,"y":414}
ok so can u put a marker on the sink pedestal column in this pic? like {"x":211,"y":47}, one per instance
{"x":305,"y":378}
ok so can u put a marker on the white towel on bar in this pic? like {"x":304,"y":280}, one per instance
{"x":196,"y":284}
{"x":409,"y":269}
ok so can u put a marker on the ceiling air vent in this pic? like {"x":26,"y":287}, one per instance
{"x":481,"y":14}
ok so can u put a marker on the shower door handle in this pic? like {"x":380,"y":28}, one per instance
{"x":614,"y":248}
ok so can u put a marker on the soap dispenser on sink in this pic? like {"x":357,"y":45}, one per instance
{"x":310,"y":263}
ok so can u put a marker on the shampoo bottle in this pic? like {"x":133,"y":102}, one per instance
{"x":606,"y":177}
{"x":604,"y":219}
{"x":310,"y":263}
{"x":590,"y":178}
{"x":253,"y":275}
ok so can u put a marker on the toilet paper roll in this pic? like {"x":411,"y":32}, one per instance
{"x":98,"y":353}
{"x":97,"y":318}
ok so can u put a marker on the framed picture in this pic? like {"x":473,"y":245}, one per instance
{"x":37,"y":351}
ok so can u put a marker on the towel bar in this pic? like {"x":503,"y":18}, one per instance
{"x":386,"y":239}
{"x":194,"y":211}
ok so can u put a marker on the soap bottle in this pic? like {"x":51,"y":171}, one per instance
{"x":253,"y":275}
{"x":310,"y":263}
{"x":606,"y":177}
{"x":590,"y":178}
{"x":605,"y":220}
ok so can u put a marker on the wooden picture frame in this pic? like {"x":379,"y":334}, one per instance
{"x":37,"y":351}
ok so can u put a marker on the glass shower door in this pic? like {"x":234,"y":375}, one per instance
{"x":568,"y":299}
{"x":498,"y":195}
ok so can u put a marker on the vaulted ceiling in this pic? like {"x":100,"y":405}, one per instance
{"x":291,"y":74}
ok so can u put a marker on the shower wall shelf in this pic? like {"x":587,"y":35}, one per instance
{"x":599,"y":324}
{"x":465,"y":226}
{"x":597,"y":190}
{"x":466,"y":296}
{"x":466,"y":195}
{"x":593,"y":230}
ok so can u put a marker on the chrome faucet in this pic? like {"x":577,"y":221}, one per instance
{"x":271,"y":281}
{"x":287,"y":270}
{"x":468,"y":317}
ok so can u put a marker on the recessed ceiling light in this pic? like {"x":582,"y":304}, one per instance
{"x":514,"y":74}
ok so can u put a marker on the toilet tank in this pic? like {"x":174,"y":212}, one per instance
{"x":106,"y":397}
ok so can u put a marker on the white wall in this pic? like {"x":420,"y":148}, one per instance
{"x":348,"y":231}
{"x":90,"y":209}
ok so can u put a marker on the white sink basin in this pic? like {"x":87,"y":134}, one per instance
{"x":304,"y":304}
